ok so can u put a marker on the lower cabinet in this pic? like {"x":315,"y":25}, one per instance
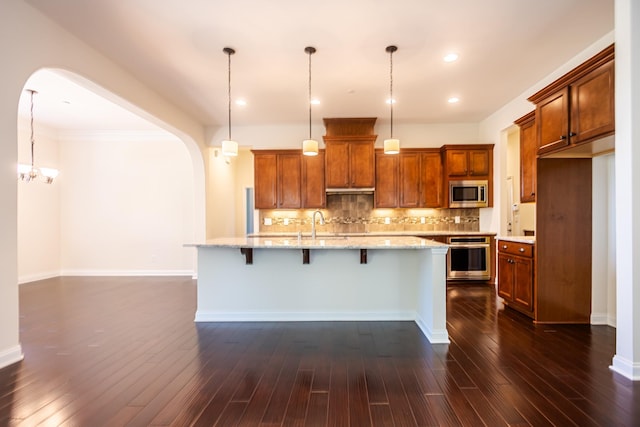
{"x":515,"y":275}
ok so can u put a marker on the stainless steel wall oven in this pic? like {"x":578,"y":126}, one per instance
{"x":469,"y":258}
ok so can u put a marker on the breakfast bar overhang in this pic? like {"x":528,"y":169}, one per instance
{"x":334,"y":278}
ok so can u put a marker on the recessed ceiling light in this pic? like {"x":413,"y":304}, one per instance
{"x":241,"y":102}
{"x":453,"y":100}
{"x":450,"y":57}
{"x":390,"y":101}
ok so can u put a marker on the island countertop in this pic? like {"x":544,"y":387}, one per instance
{"x":322,"y":242}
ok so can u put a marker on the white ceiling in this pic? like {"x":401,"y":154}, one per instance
{"x":175,"y":46}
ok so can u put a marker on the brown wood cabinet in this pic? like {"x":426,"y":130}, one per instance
{"x":473,"y":162}
{"x":386,"y":194}
{"x":421,"y":178}
{"x":516,"y":275}
{"x":313,"y":189}
{"x":563,"y":241}
{"x":577,"y":108}
{"x":411,"y":179}
{"x":528,"y":157}
{"x":349,"y":162}
{"x":349,"y":154}
{"x":277,"y":179}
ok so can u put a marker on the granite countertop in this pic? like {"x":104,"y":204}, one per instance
{"x":420,"y":233}
{"x":518,"y":239}
{"x":322,"y":242}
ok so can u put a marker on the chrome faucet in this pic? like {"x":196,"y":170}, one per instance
{"x":313,"y":223}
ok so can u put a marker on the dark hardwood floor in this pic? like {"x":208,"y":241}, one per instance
{"x":125,"y":351}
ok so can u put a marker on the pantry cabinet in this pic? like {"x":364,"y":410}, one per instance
{"x":577,"y":108}
{"x":516,"y":275}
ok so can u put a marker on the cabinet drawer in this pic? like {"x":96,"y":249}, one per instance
{"x":514,"y":248}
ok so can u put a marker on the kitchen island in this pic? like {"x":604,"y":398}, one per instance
{"x":328,"y":278}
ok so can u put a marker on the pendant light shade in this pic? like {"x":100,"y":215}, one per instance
{"x":28,"y":173}
{"x":229,"y":146}
{"x":391,"y":145}
{"x":310,"y":146}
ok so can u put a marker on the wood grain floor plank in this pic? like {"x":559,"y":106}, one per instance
{"x":125,"y":351}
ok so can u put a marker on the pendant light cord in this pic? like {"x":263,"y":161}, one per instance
{"x":391,"y":49}
{"x":310,"y":92}
{"x":310,"y":50}
{"x":229,"y":52}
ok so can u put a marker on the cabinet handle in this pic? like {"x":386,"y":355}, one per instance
{"x":521,"y":249}
{"x":563,"y":136}
{"x":572,"y":134}
{"x":533,"y":193}
{"x":504,"y":246}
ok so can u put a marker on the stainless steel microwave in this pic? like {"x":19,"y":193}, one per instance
{"x":469,"y":194}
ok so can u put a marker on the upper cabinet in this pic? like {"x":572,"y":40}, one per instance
{"x":386,"y":194}
{"x":421,"y":178}
{"x":578,"y":108}
{"x":349,"y":157}
{"x":411,"y":179}
{"x":277,"y":179}
{"x":468,"y":162}
{"x":528,"y":157}
{"x":313,"y":190}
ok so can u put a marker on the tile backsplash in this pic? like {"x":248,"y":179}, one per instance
{"x":354,"y":213}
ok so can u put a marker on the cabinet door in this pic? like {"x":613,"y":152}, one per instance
{"x":289,"y":179}
{"x":409,"y":180}
{"x":265,"y":181}
{"x":479,"y":163}
{"x":313,"y":190}
{"x":337,"y":164}
{"x":431,"y":180}
{"x":592,"y":105}
{"x":506,"y":276}
{"x":362,"y":164}
{"x":386,"y":194}
{"x":552,"y":122}
{"x":528,"y":160}
{"x":523,"y":282}
{"x":457,"y":163}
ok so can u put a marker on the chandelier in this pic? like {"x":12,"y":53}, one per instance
{"x":28,"y":173}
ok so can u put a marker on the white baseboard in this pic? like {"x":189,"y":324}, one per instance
{"x":126,"y":273}
{"x":221,"y":316}
{"x":434,"y":337}
{"x":603,"y":319}
{"x":38,"y":276}
{"x":10,"y":356}
{"x":626,"y":368}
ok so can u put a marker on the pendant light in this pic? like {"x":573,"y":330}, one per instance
{"x":310,"y":146}
{"x":229,"y":146}
{"x":391,"y":145}
{"x":28,"y":173}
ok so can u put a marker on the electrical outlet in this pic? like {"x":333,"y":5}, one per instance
{"x":286,"y":221}
{"x":267,"y":221}
{"x":457,"y":219}
{"x":422,"y":220}
{"x":387,"y":220}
